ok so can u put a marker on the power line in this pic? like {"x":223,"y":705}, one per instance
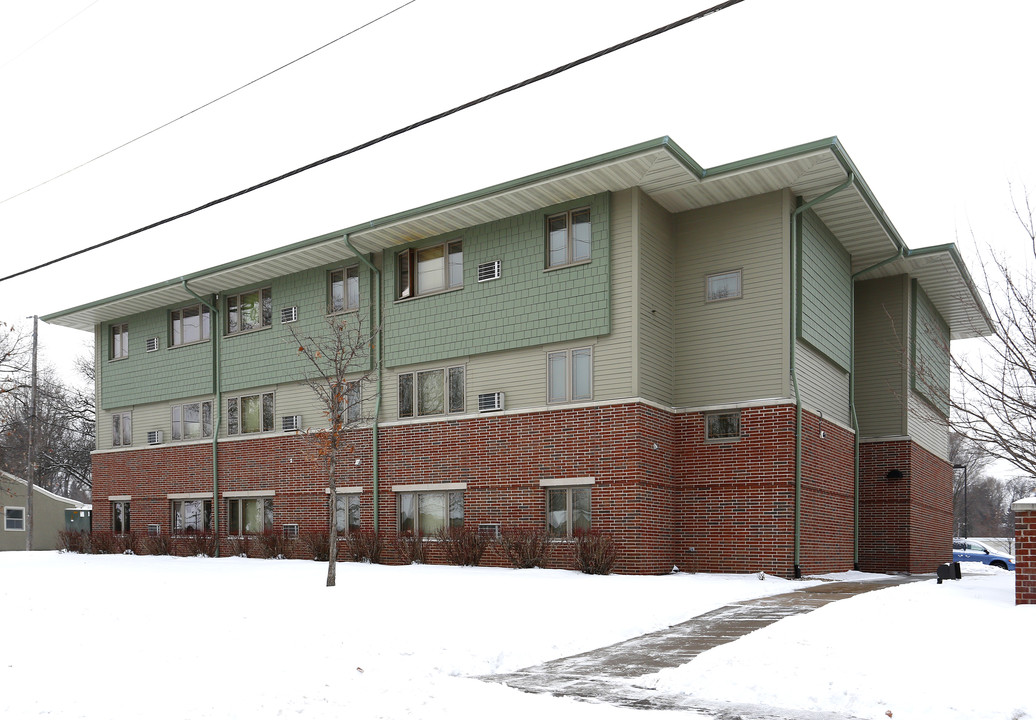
{"x":210,"y":102}
{"x":47,"y":35}
{"x":390,"y":135}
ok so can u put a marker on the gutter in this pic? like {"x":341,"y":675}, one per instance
{"x":377,"y":359}
{"x":215,"y":328}
{"x":794,"y":374}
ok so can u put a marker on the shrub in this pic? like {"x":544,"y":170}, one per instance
{"x":462,"y":545}
{"x":105,"y":543}
{"x":409,"y":547}
{"x":526,"y":546}
{"x":157,"y":545}
{"x":273,"y":544}
{"x":238,"y":546}
{"x":364,"y":546}
{"x":316,"y":544}
{"x":595,"y":552}
{"x":199,"y":543}
{"x":75,"y":541}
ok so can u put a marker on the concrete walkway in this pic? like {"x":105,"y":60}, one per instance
{"x":609,"y":674}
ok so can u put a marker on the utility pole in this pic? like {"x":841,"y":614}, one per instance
{"x":31,"y":480}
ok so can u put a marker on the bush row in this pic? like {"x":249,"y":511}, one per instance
{"x":594,"y":552}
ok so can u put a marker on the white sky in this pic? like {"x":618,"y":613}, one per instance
{"x":931,"y":99}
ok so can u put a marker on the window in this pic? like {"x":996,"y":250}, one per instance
{"x":723,"y":286}
{"x":189,"y":325}
{"x":429,"y":270}
{"x":353,"y":407}
{"x":192,"y":421}
{"x":568,"y":238}
{"x":118,"y":348}
{"x":426,"y":513}
{"x":569,"y":375}
{"x":191,"y":516}
{"x":120,"y":516}
{"x":568,"y":511}
{"x":250,"y":414}
{"x":122,"y":430}
{"x":723,"y":426}
{"x":250,"y":516}
{"x":347,"y":513}
{"x":249,"y":311}
{"x":431,"y":392}
{"x":343,"y":290}
{"x":14,"y":518}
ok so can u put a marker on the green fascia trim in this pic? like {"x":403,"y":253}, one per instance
{"x":769,"y":157}
{"x":954,"y":253}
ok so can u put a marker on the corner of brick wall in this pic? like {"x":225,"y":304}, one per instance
{"x":1025,"y":551}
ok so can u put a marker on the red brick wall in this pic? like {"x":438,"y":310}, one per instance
{"x":906,"y":525}
{"x":659,"y":488}
{"x":1024,"y":554}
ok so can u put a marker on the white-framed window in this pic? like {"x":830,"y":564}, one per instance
{"x":191,"y":421}
{"x":250,"y":515}
{"x":122,"y":429}
{"x":343,"y":289}
{"x":568,"y":238}
{"x":250,"y":310}
{"x":430,"y":269}
{"x":191,"y":516}
{"x":570,"y":375}
{"x":723,"y":426}
{"x":14,"y":519}
{"x":431,"y":392}
{"x":120,"y":516}
{"x":250,"y":414}
{"x":427,"y":512}
{"x":723,"y":286}
{"x":568,"y":511}
{"x":347,"y":513}
{"x":188,"y":325}
{"x":118,"y":346}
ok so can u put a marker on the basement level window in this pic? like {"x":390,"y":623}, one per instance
{"x":723,"y":426}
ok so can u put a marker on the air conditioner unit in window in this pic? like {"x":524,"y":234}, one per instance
{"x":291,"y":530}
{"x":154,"y":529}
{"x":488,"y":402}
{"x":291,"y":423}
{"x":154,"y":437}
{"x":489,"y":530}
{"x":289,"y":314}
{"x":489,"y":271}
{"x":152,"y":344}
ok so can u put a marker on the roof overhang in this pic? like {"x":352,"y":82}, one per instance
{"x":660,"y":168}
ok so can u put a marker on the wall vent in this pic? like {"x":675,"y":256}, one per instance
{"x":152,"y":344}
{"x":291,"y":530}
{"x":154,"y":529}
{"x":489,"y":271}
{"x":488,"y":402}
{"x":154,"y":437}
{"x":290,"y":314}
{"x":291,"y":423}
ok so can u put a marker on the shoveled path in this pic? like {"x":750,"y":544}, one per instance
{"x":609,"y":674}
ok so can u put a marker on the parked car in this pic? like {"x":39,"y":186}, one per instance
{"x":965,"y":550}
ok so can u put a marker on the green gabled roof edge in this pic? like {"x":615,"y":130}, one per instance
{"x":954,"y":253}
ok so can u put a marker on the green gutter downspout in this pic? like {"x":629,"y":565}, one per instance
{"x":215,"y":328}
{"x":377,"y":359}
{"x":794,"y":376}
{"x":852,"y":400}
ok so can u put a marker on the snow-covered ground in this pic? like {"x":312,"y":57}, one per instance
{"x":164,"y":637}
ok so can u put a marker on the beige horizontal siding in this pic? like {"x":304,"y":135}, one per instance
{"x":881,"y":356}
{"x":657,"y":277}
{"x":822,"y":386}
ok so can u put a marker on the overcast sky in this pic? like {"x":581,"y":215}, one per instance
{"x":932,"y":99}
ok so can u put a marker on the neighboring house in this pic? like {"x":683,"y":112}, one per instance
{"x":631,"y":344}
{"x":48,"y":514}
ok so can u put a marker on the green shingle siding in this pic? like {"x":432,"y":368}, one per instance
{"x":930,"y":364}
{"x":825,"y":296}
{"x":518,"y":310}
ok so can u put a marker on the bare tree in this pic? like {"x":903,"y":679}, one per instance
{"x":995,"y":401}
{"x":15,"y":349}
{"x":339,"y":369}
